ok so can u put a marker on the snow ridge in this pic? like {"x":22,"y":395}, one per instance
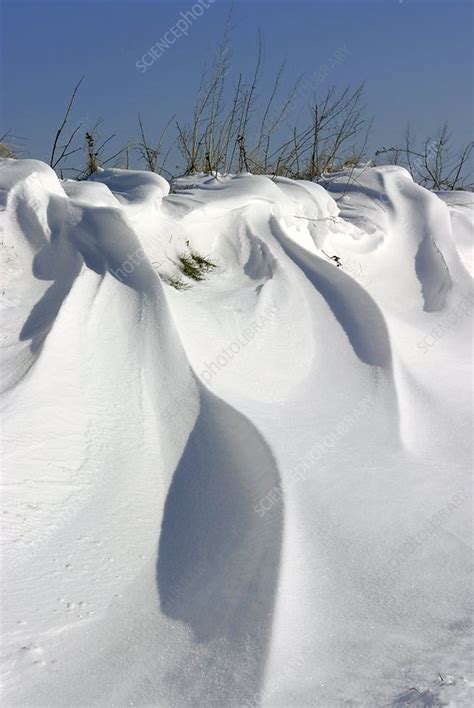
{"x":251,"y":491}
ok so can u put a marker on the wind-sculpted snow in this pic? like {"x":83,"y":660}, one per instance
{"x":253,"y":490}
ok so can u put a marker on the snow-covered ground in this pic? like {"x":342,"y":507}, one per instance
{"x":254,"y":490}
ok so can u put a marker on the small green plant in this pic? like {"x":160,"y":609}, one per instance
{"x":192,"y":266}
{"x":202,"y":261}
{"x":175,"y":282}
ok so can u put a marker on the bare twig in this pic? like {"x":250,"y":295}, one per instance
{"x":54,"y":162}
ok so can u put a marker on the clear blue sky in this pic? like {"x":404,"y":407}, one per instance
{"x":414,"y":55}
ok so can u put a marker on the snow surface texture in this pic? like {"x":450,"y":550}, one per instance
{"x":253,"y":491}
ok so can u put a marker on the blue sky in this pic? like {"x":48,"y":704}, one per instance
{"x":414,"y":55}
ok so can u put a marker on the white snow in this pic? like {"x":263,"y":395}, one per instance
{"x":253,"y":491}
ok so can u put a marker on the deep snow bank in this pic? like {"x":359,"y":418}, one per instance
{"x":255,"y":490}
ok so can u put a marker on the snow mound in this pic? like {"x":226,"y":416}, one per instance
{"x":251,"y":488}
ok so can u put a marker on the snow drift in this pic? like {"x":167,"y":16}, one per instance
{"x":254,"y":490}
